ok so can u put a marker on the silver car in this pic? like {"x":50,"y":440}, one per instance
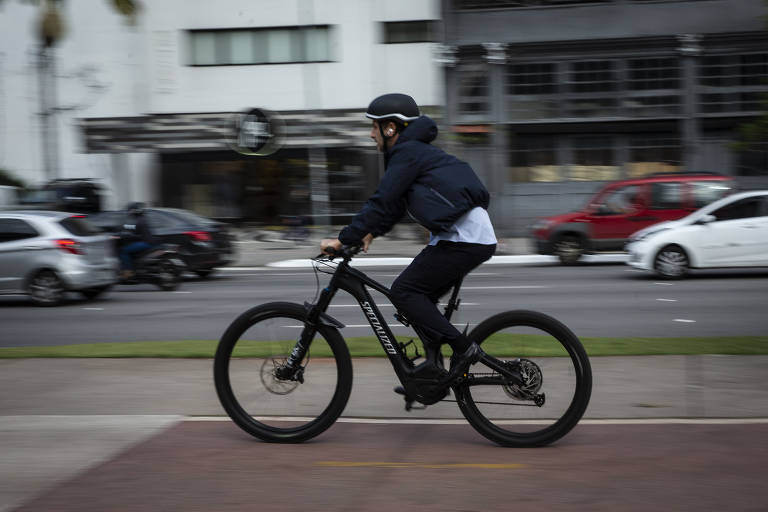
{"x":46,"y":254}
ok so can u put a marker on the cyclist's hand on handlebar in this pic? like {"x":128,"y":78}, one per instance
{"x":330,"y":246}
{"x":367,"y":239}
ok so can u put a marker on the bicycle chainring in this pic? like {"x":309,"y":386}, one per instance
{"x":532,"y":380}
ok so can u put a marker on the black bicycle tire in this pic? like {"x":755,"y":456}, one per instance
{"x":238,"y":414}
{"x":582,"y":393}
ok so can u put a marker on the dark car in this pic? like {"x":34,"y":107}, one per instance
{"x":77,"y":195}
{"x":203,"y":243}
{"x":620,"y":208}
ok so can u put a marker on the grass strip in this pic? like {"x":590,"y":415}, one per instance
{"x":368,"y":346}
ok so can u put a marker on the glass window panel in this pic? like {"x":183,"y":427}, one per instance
{"x":744,"y":209}
{"x":280,"y":48}
{"x":203,"y":48}
{"x":241,"y":47}
{"x":534,"y":159}
{"x":704,"y":192}
{"x":666,"y":195}
{"x":260,"y":41}
{"x":653,"y":154}
{"x":593,"y":159}
{"x":317,"y":47}
{"x":473,"y":92}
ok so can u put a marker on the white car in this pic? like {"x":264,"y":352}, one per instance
{"x":45,"y":254}
{"x":730,"y":232}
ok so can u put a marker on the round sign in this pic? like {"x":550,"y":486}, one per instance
{"x":257,"y":132}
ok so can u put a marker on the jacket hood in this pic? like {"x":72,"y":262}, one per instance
{"x":423,"y":129}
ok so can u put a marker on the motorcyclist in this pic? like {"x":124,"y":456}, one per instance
{"x":445,"y":196}
{"x":136,"y":237}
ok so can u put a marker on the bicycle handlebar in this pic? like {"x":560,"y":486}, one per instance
{"x":347,"y":252}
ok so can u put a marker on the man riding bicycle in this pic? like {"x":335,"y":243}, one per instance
{"x":441,"y":193}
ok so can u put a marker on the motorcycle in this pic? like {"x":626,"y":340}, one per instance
{"x":159,"y":265}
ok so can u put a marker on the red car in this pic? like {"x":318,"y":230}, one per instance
{"x":623,"y":207}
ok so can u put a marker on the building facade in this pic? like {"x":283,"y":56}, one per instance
{"x":148,"y":109}
{"x":560,"y":96}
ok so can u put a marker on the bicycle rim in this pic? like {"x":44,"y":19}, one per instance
{"x":555,"y":368}
{"x":269,"y":408}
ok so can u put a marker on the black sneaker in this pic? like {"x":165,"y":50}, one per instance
{"x":460,"y":362}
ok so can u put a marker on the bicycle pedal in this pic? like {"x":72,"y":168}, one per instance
{"x":410,"y":407}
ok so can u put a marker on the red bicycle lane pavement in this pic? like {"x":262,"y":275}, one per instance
{"x":200,"y":465}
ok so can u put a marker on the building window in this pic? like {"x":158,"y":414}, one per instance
{"x":592,"y":85}
{"x":650,"y":154}
{"x":733,"y":83}
{"x":531,"y":90}
{"x":280,"y":45}
{"x":473,"y":91}
{"x":534,"y":158}
{"x":753,"y":161}
{"x":593,"y":159}
{"x":421,"y":31}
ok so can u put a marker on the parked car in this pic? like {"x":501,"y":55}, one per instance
{"x":623,"y":207}
{"x":731,"y":232}
{"x":45,"y":254}
{"x":81,"y":195}
{"x":203,"y":243}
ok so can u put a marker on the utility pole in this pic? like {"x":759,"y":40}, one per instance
{"x":51,"y":30}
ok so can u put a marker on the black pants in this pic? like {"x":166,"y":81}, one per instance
{"x":431,"y":275}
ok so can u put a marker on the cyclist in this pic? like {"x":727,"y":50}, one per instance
{"x":441,"y":193}
{"x":135,"y":238}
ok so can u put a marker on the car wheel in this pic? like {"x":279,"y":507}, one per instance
{"x":46,"y":288}
{"x":569,"y":249}
{"x":671,"y":262}
{"x":204,"y":272}
{"x":92,"y":293}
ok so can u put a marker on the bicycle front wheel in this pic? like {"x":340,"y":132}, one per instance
{"x":556,"y":374}
{"x":248,"y":382}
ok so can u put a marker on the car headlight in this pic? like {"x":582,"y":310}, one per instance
{"x":637,"y":237}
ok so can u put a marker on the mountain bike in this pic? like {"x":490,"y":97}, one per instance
{"x":283,"y":371}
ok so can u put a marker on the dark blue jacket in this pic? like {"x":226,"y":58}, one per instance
{"x":435,"y":187}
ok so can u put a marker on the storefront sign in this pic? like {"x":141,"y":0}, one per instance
{"x":257,"y":132}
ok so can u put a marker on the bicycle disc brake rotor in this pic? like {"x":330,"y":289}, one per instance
{"x":270,"y":380}
{"x":532,"y":379}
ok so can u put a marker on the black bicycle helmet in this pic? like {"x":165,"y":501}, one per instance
{"x":395,"y":107}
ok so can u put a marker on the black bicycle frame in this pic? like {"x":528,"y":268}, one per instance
{"x":355,"y":282}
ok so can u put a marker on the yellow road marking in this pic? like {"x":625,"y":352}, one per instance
{"x":409,"y":465}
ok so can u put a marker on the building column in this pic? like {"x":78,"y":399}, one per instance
{"x":690,"y":132}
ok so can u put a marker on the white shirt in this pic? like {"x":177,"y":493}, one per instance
{"x":474,"y":227}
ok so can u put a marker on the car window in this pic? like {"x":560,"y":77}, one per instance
{"x":16,"y":229}
{"x":79,"y":226}
{"x":742,"y":209}
{"x":191,"y":217}
{"x":160,"y":220}
{"x":705,"y":192}
{"x":666,"y":195}
{"x":622,"y":200}
{"x":109,"y":221}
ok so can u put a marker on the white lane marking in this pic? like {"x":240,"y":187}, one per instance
{"x":182,"y":292}
{"x":437,"y":421}
{"x":94,"y":309}
{"x":664,"y":284}
{"x":685,"y":320}
{"x":517,"y":287}
{"x":667,"y":300}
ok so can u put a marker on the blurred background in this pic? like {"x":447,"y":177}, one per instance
{"x":547,"y":99}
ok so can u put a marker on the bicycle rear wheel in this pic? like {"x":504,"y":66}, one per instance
{"x":250,"y":352}
{"x":557,"y":380}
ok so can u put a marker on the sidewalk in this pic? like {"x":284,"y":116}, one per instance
{"x":255,"y":248}
{"x":60,"y":417}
